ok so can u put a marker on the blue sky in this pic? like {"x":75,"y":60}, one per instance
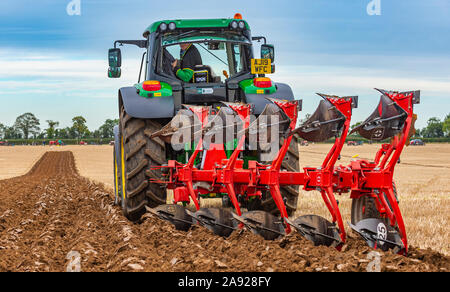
{"x":54,"y":65}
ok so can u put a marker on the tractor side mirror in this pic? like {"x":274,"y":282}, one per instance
{"x":115,"y":62}
{"x":268,"y":52}
{"x":114,"y":72}
{"x":115,"y":58}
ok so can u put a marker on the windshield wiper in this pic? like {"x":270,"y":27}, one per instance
{"x":170,"y":39}
{"x":200,"y":45}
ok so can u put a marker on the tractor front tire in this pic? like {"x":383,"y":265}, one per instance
{"x":139,"y":153}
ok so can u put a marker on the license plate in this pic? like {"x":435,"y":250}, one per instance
{"x":261,"y":66}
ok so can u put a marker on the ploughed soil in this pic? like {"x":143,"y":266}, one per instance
{"x":52,"y":219}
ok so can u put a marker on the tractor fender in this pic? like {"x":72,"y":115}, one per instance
{"x":146,"y":108}
{"x":284,"y":92}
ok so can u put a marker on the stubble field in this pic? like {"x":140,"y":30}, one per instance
{"x":422,"y":180}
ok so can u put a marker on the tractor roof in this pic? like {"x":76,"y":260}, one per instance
{"x":195,"y":23}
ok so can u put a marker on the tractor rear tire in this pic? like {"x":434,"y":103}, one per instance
{"x":290,"y":194}
{"x":139,"y":154}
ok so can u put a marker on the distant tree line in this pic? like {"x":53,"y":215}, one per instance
{"x":27,"y":126}
{"x":436,"y":128}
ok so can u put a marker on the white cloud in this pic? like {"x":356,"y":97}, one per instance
{"x":356,"y":79}
{"x":29,"y":73}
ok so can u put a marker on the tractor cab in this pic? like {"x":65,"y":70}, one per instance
{"x":224,"y":58}
{"x":225,"y":69}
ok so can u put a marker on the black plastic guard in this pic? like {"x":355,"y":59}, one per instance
{"x":378,"y":234}
{"x":219,"y":221}
{"x":263,"y":224}
{"x":317,"y":229}
{"x":386,"y":121}
{"x":326,"y":122}
{"x":174,"y":214}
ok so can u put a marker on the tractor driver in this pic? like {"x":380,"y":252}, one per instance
{"x":185,"y":66}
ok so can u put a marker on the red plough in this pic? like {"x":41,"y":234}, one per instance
{"x":375,"y":212}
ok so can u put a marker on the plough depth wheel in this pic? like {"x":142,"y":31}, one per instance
{"x":365,"y":207}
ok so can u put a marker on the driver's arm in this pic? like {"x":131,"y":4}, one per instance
{"x":190,"y":60}
{"x":185,"y":74}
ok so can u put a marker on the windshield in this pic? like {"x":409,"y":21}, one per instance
{"x":222,"y":55}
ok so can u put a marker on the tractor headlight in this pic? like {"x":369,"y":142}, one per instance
{"x":163,"y":26}
{"x":234,"y":25}
{"x":172,"y":26}
{"x":241,"y":24}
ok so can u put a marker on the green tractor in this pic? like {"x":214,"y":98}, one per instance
{"x":227,"y":72}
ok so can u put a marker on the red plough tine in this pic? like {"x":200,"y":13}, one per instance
{"x":393,"y":119}
{"x":202,"y":114}
{"x":331,"y":119}
{"x":220,"y":221}
{"x":291,"y":109}
{"x":243,"y":112}
{"x":260,"y":222}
